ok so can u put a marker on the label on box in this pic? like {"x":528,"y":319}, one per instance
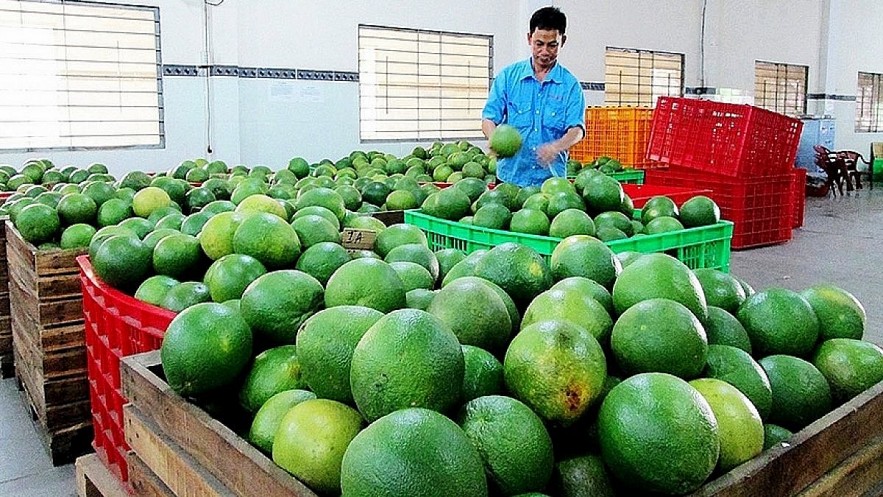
{"x":356,"y":239}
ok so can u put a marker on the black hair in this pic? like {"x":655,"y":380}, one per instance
{"x":548,"y":19}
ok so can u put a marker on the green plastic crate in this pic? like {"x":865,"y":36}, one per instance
{"x":702,"y":247}
{"x":635,"y":176}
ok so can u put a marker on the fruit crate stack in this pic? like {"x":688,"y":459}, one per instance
{"x":618,"y":132}
{"x":180,"y":450}
{"x":744,"y":154}
{"x":117,"y":326}
{"x":46,"y":308}
{"x":7,"y":369}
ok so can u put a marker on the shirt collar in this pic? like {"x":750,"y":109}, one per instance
{"x":555,"y":74}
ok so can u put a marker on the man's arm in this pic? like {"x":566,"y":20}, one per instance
{"x":575,"y":120}
{"x":548,"y":152}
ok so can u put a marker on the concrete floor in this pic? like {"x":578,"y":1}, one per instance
{"x":836,"y":245}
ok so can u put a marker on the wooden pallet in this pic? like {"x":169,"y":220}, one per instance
{"x":48,"y":342}
{"x":7,"y":367}
{"x":95,"y":480}
{"x":63,"y":445}
{"x":188,"y":450}
{"x":6,"y":358}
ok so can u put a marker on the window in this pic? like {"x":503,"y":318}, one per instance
{"x":639,"y":77}
{"x":869,"y":103}
{"x":78,"y":75}
{"x":422,"y":85}
{"x":780,"y":87}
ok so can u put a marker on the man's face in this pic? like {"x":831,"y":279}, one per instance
{"x":544,"y":45}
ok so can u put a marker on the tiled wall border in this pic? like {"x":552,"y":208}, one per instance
{"x":690,"y":90}
{"x":590,"y":86}
{"x":258,"y":72}
{"x":353,"y":77}
{"x":829,"y":96}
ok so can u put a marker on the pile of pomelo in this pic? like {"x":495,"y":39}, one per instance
{"x":413,"y":372}
{"x":593,"y":204}
{"x":604,"y":164}
{"x":44,"y":172}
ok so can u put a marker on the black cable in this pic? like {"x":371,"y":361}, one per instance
{"x":214,"y":4}
{"x":701,"y":45}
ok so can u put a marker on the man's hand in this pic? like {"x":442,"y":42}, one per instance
{"x":547,"y":153}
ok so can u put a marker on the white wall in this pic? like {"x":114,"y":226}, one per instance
{"x":666,"y":25}
{"x":856,"y":45}
{"x":184,"y":100}
{"x":268,"y":121}
{"x":739,"y":33}
{"x":320,"y":119}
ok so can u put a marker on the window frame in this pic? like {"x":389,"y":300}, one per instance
{"x":161,"y":134}
{"x":640,"y":51}
{"x":439,"y":132}
{"x":787,"y":67}
{"x":876,"y":105}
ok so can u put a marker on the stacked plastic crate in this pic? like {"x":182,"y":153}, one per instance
{"x":117,"y":326}
{"x":743,"y":154}
{"x":621,"y":133}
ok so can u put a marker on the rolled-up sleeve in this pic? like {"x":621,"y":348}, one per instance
{"x":575,"y":113}
{"x":495,"y":107}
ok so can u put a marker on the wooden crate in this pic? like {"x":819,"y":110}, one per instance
{"x":142,"y":481}
{"x":839,"y":455}
{"x":188,"y":450}
{"x":48,"y":342}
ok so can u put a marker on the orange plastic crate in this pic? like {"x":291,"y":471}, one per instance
{"x":622,"y":133}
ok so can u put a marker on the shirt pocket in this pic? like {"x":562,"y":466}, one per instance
{"x":553,"y":117}
{"x":519,"y":115}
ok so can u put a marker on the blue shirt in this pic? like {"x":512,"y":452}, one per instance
{"x":541,"y":111}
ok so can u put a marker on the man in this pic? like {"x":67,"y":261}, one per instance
{"x":540,"y":98}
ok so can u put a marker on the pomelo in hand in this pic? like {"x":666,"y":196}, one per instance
{"x":505,"y":141}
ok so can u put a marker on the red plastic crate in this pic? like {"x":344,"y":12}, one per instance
{"x":799,"y":196}
{"x":640,"y":194}
{"x":117,"y":326}
{"x":727,"y":139}
{"x":762,"y":207}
